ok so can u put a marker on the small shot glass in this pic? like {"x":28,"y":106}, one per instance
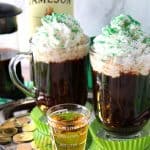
{"x":69,"y":126}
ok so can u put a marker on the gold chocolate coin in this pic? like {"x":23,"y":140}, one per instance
{"x":29,"y":127}
{"x":23,"y":137}
{"x":5,"y":140}
{"x":9,"y":131}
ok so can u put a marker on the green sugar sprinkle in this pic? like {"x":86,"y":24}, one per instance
{"x":124,"y":23}
{"x":119,"y":38}
{"x":69,"y":116}
{"x":58,"y":31}
{"x":147,"y":40}
{"x":62,"y":18}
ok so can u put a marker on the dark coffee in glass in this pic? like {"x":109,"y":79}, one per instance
{"x":120,"y":101}
{"x":64,"y":82}
{"x":7,"y":88}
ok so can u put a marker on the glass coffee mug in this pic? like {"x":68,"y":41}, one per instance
{"x":55,"y":81}
{"x":122,"y":103}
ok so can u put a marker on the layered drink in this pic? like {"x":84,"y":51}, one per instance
{"x":121,"y":75}
{"x":60,"y":51}
{"x":69,"y":126}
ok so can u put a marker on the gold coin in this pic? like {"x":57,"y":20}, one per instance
{"x":29,"y":127}
{"x":23,"y":120}
{"x":23,"y":137}
{"x":5,"y":140}
{"x":10,"y":123}
{"x":9,"y":131}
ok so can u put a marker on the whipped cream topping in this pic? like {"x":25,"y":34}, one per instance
{"x":59,"y":38}
{"x":57,"y":31}
{"x":121,"y":48}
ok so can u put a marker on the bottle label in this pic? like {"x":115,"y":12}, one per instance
{"x":39,"y":8}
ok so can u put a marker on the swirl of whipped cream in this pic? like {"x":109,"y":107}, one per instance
{"x":60,"y":38}
{"x":122,"y":48}
{"x":58,"y":31}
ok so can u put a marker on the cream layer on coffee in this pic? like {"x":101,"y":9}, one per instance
{"x":60,"y":38}
{"x":121,"y":48}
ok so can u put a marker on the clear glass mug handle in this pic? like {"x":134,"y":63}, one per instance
{"x":13,"y":73}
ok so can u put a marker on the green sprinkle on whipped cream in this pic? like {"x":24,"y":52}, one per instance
{"x":58,"y":31}
{"x":122,"y":47}
{"x":62,"y":18}
{"x":121,"y":37}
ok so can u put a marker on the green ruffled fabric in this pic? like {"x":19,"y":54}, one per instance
{"x":42,"y":141}
{"x":40,"y":121}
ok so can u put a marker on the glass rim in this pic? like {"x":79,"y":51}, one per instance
{"x":58,"y":107}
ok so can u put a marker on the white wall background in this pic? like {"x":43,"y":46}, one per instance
{"x":92,"y":15}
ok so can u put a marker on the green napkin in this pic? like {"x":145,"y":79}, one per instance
{"x":40,"y":121}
